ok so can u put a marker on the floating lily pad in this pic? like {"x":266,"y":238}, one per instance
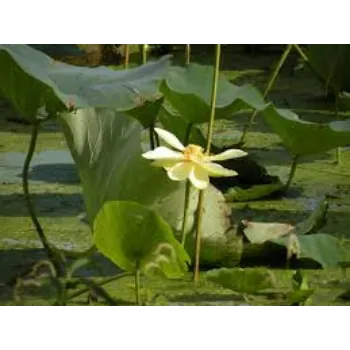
{"x":319,"y":247}
{"x":246,"y":281}
{"x":237,"y":194}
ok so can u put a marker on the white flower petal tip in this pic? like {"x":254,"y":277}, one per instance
{"x":229,"y":154}
{"x":162,"y":153}
{"x":217,"y":170}
{"x":170,"y":139}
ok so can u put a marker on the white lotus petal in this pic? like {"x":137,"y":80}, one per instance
{"x":180,"y":171}
{"x":170,"y":139}
{"x":229,"y":154}
{"x":199,"y":178}
{"x":163,"y":153}
{"x":166,"y":163}
{"x":216,"y":170}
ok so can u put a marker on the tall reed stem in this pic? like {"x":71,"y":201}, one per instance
{"x":209,"y":137}
{"x":292,"y":173}
{"x":126,"y":56}
{"x":270,"y":83}
{"x":137,"y":284}
{"x":338,"y":150}
{"x":144,"y":53}
{"x":187,"y":54}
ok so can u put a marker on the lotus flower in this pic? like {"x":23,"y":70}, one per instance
{"x":190,"y":162}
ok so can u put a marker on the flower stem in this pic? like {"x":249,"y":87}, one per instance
{"x":213,"y":97}
{"x":137,"y":284}
{"x":50,"y":253}
{"x":187,"y":192}
{"x":144,"y":53}
{"x":185,"y":216}
{"x":157,"y":139}
{"x":151,"y":137}
{"x":292,"y":172}
{"x":268,"y":88}
{"x":209,"y":137}
{"x":187,"y":54}
{"x":126,"y":56}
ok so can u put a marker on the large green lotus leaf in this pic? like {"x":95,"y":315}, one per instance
{"x":147,"y":113}
{"x":30,"y":80}
{"x":130,"y":234}
{"x":24,"y":82}
{"x":173,"y":122}
{"x":304,"y":138}
{"x":106,"y":147}
{"x":59,"y":50}
{"x":189,"y":91}
{"x":331,"y":63}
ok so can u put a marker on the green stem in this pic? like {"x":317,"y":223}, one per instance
{"x":199,"y":216}
{"x":292,"y":172}
{"x":188,"y":134}
{"x":301,"y":52}
{"x":137,"y":284}
{"x":50,"y":253}
{"x":185,"y":216}
{"x":209,"y":137}
{"x":338,"y":151}
{"x":187,"y":54}
{"x":126,"y":56}
{"x":108,"y":280}
{"x":157,"y":139}
{"x":144,"y":53}
{"x":151,"y":137}
{"x":268,"y":88}
{"x":187,"y":192}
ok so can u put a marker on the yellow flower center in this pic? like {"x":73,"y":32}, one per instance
{"x":193,"y":153}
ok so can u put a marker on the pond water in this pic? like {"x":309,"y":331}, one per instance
{"x":46,"y":166}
